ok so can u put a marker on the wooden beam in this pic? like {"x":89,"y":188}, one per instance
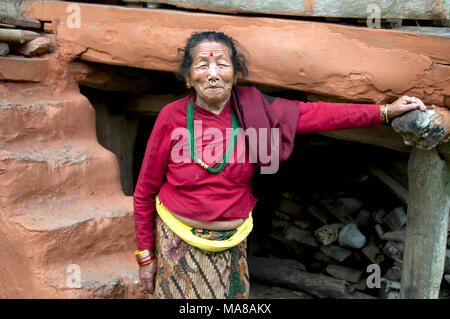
{"x":413,"y":9}
{"x":360,"y":64}
{"x":147,"y":104}
{"x":385,"y":137}
{"x":440,"y":32}
{"x":426,"y":228}
{"x":393,"y":186}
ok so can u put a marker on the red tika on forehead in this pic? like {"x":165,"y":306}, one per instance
{"x":211,"y":53}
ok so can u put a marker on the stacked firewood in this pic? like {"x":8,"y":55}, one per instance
{"x":336,"y":248}
{"x":20,"y":36}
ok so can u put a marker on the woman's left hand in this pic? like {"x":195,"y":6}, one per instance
{"x":405,"y":104}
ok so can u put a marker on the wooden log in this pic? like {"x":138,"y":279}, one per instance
{"x":322,"y":257}
{"x":260,"y":291}
{"x":290,"y":207}
{"x":282,"y":273}
{"x":426,"y":230}
{"x":328,"y":234}
{"x":378,"y":215}
{"x":291,"y":247}
{"x":344,"y":207}
{"x":321,"y":214}
{"x":379,"y":230}
{"x":4,"y":48}
{"x":282,"y":216}
{"x":361,"y":285}
{"x":293,"y":233}
{"x":363,"y":217}
{"x":396,"y":218}
{"x":279,"y":224}
{"x":20,"y":21}
{"x":447,"y":262}
{"x":336,"y":252}
{"x":360,"y":295}
{"x":385,"y":137}
{"x":7,"y":26}
{"x":373,"y":252}
{"x":17,"y":35}
{"x":394,"y":273}
{"x":394,"y":250}
{"x":344,"y":273}
{"x":393,"y":295}
{"x":389,"y":289}
{"x":396,"y":235}
{"x":303,"y":224}
{"x":392,"y":184}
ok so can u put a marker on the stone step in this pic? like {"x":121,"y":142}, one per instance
{"x":59,"y":118}
{"x":57,"y":230}
{"x":35,"y":172}
{"x":23,"y":69}
{"x":102,"y":276}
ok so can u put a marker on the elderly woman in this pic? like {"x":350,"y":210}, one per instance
{"x":195,"y":246}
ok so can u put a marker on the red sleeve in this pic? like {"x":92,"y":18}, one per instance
{"x":322,"y":117}
{"x":151,"y":177}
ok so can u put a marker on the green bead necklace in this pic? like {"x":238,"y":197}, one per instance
{"x":220,"y":164}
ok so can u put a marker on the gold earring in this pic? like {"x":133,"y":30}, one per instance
{"x":188,"y":85}
{"x":235,"y":81}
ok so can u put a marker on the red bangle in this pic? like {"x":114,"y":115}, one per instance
{"x":144,"y":257}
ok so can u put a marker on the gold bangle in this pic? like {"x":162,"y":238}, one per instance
{"x":383,"y":113}
{"x":386,"y":113}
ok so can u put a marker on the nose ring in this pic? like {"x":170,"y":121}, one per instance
{"x":213,"y":82}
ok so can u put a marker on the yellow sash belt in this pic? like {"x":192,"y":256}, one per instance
{"x":184,"y":231}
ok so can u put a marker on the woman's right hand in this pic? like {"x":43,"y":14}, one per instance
{"x":147,"y":275}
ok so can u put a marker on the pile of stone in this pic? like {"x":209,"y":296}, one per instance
{"x":337,"y":248}
{"x":23,"y":37}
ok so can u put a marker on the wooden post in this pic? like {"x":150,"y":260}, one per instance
{"x":426,"y":229}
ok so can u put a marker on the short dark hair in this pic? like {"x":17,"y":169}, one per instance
{"x":186,"y":54}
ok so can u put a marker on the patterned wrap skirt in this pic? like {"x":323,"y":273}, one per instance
{"x":187,"y":272}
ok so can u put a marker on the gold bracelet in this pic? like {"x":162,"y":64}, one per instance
{"x":384,"y":113}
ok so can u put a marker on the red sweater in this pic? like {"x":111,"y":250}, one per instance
{"x":188,"y":189}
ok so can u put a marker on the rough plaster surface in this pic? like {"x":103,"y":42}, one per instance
{"x":61,"y":201}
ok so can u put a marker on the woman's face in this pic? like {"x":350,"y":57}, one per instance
{"x":212,"y":62}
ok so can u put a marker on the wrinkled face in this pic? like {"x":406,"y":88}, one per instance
{"x":211,"y":63}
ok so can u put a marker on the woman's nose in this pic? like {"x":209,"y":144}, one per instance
{"x":212,"y":71}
